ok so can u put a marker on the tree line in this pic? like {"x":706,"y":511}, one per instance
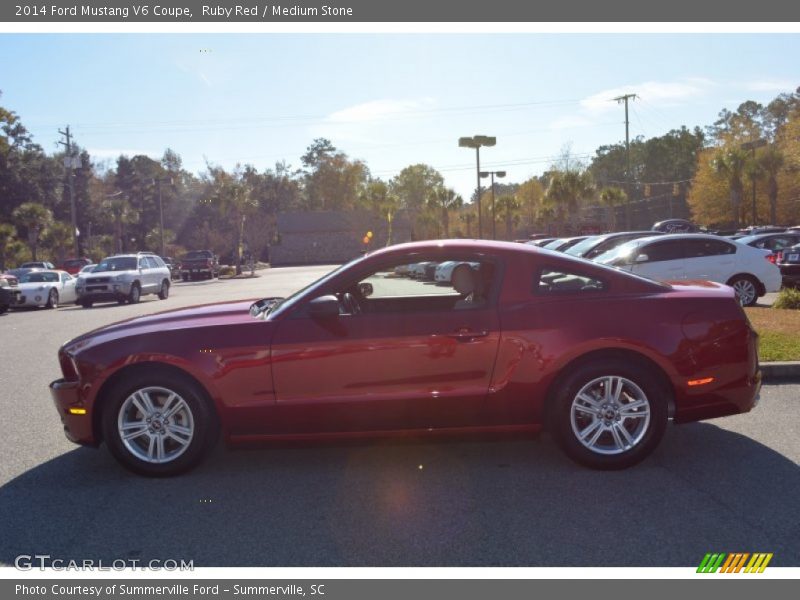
{"x":119,"y":207}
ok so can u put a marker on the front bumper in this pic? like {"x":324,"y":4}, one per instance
{"x":77,"y":427}
{"x":115,"y":290}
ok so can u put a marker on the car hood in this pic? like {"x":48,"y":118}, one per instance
{"x":35,"y":285}
{"x":206,"y":315}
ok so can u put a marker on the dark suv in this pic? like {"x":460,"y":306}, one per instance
{"x":199,"y":264}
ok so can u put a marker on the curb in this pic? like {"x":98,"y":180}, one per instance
{"x":772,"y":372}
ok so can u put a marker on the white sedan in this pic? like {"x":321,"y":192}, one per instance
{"x":444,"y":272}
{"x":678,"y":257}
{"x":46,"y":288}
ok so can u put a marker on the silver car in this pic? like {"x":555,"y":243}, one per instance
{"x":124,"y":278}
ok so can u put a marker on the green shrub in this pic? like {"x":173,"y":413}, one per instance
{"x":227,"y":271}
{"x":788,"y":298}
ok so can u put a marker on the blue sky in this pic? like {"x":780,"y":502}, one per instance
{"x":391,"y":100}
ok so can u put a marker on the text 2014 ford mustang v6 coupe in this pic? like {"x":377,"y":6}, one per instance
{"x":522,"y":338}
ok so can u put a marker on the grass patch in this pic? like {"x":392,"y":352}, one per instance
{"x":779,"y":332}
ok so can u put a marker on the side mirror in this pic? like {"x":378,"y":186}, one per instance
{"x":324,"y":307}
{"x":365,"y":289}
{"x":640,"y":258}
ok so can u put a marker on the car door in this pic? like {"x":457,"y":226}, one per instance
{"x":662,"y":260}
{"x":67,"y":292}
{"x":405,"y":361}
{"x":708,"y":259}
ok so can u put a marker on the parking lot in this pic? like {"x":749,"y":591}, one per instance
{"x":725,"y":485}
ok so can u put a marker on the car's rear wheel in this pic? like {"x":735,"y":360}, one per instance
{"x":52,"y":299}
{"x":86,"y":303}
{"x":158,"y":425}
{"x":135,"y":294}
{"x":609,"y":414}
{"x":746,"y":289}
{"x":163,"y":293}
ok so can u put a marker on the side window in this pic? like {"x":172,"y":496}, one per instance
{"x":427,"y":285}
{"x":702,"y":247}
{"x":779,"y":243}
{"x":143,"y":262}
{"x":660,"y":251}
{"x":152,"y":263}
{"x":563,"y":281}
{"x":64,"y":277}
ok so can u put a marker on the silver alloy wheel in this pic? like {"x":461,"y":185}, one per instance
{"x":155,"y":424}
{"x":610,"y":415}
{"x":745,"y":291}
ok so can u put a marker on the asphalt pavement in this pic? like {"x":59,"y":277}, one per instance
{"x":725,"y":485}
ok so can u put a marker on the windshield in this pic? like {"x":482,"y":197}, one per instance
{"x":39,"y":277}
{"x":582,"y":247}
{"x":748,"y":239}
{"x":555,"y":244}
{"x":288,"y":303}
{"x":121,"y":263}
{"x":618,"y":255}
{"x":197,"y":254}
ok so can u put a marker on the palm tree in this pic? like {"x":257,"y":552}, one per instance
{"x":8,"y":234}
{"x":612,"y":197}
{"x":34,"y":218}
{"x":566,"y":191}
{"x":123,"y":214}
{"x":771,"y":162}
{"x":468,"y":217}
{"x":730,"y":164}
{"x":444,"y":200}
{"x":59,"y":239}
{"x":508,"y":208}
{"x":232,"y":196}
{"x":379,"y":197}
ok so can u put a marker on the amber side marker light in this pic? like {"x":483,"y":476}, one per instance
{"x":704,"y":381}
{"x":77,"y":411}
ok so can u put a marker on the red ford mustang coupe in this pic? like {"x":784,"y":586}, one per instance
{"x":520,"y":339}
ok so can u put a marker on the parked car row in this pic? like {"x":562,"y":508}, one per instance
{"x":748,"y":264}
{"x":121,"y":278}
{"x":438,"y":272}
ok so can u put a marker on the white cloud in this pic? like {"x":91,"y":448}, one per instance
{"x":377,"y":110}
{"x":771,"y":85}
{"x":657,"y":93}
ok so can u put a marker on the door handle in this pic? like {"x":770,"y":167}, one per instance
{"x":465,"y":335}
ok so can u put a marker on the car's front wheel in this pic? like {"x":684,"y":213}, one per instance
{"x":135,"y":294}
{"x":609,"y":414}
{"x":163,"y":293}
{"x":158,"y":425}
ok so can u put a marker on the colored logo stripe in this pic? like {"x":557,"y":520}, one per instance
{"x":734,"y":562}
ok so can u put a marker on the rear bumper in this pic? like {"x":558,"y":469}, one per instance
{"x":77,"y":427}
{"x":735,"y":391}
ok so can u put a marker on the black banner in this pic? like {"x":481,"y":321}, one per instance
{"x":397,"y":589}
{"x":354,"y":11}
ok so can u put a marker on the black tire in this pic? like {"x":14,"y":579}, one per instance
{"x":746,"y":288}
{"x":52,"y":299}
{"x":202,"y":412}
{"x":163,"y":293}
{"x":135,"y":294}
{"x":3,"y":309}
{"x":86,"y":303}
{"x":185,"y":277}
{"x":564,"y":421}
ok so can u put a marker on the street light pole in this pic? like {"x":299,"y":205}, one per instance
{"x":476,"y":142}
{"x":494,"y":215}
{"x":752,"y":145}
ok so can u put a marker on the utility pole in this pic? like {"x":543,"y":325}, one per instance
{"x":158,"y":181}
{"x":69,"y":163}
{"x":620,"y":99}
